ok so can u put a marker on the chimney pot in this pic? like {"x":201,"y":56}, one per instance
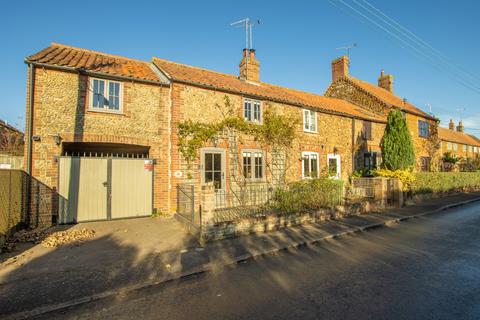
{"x":249,"y":66}
{"x":385,"y":81}
{"x":460,"y":127}
{"x":451,"y":125}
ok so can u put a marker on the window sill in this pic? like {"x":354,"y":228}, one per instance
{"x":116,"y":113}
{"x":308,"y":131}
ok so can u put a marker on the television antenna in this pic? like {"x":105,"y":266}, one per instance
{"x":461,"y":110}
{"x":248,"y":24}
{"x":348,"y":48}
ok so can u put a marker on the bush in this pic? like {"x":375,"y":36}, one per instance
{"x":308,"y":195}
{"x":406,"y":176}
{"x":440,"y":182}
{"x":397,"y":145}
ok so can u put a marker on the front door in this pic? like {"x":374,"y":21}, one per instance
{"x":213,"y":163}
{"x":334,"y":166}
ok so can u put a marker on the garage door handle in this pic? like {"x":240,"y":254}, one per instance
{"x":105,"y":184}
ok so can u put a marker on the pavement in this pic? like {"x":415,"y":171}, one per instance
{"x":129,"y":255}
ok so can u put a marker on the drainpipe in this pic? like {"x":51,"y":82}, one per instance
{"x":31,"y":87}
{"x":353,"y":144}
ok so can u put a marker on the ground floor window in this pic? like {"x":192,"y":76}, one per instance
{"x":425,"y":163}
{"x":253,"y":164}
{"x":372,"y":160}
{"x":334,"y":165}
{"x":309,"y":165}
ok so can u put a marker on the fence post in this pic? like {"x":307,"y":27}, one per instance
{"x":207,"y":201}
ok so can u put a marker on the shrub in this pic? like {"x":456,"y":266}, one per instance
{"x":406,"y":176}
{"x":308,"y":195}
{"x":397,"y":144}
{"x":440,"y":182}
{"x":449,"y":158}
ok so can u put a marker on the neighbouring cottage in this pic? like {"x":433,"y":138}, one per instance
{"x":456,"y":143}
{"x":380,"y":99}
{"x":11,"y":146}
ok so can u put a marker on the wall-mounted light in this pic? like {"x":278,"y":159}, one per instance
{"x":57,"y":139}
{"x":335,"y":150}
{"x":36,"y":138}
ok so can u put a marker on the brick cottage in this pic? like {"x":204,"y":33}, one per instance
{"x":85,"y":104}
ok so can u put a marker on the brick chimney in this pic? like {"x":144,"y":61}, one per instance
{"x":451,"y":125}
{"x":249,"y":66}
{"x":460,"y":126}
{"x":385,"y":81}
{"x":340,"y":68}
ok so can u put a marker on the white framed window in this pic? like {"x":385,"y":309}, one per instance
{"x":106,"y":95}
{"x":455,"y":147}
{"x":475,"y":149}
{"x":309,"y":165}
{"x":464,"y":148}
{"x":309,"y":121}
{"x":334,"y":166}
{"x":252,"y":110}
{"x":253,"y":164}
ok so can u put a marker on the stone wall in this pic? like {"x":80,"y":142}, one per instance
{"x":60,"y":107}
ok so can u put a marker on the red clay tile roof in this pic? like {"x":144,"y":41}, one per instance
{"x":388,"y":97}
{"x":76,"y":58}
{"x":457,"y":137}
{"x":220,"y":81}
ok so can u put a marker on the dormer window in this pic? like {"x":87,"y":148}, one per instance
{"x":252,"y":110}
{"x":106,"y":95}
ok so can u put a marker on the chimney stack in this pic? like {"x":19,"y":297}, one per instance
{"x":385,"y":81}
{"x":340,"y":68}
{"x":460,"y":126}
{"x":249,"y":66}
{"x":451,"y":125}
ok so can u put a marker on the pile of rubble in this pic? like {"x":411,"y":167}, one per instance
{"x":75,"y":237}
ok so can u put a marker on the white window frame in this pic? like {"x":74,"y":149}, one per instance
{"x":455,"y":147}
{"x":449,"y":146}
{"x":106,"y":94}
{"x":253,"y":153}
{"x":309,"y":153}
{"x":253,"y":103}
{"x":339,"y":165}
{"x":312,"y":121}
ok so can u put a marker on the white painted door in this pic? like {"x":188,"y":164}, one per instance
{"x":334,"y":166}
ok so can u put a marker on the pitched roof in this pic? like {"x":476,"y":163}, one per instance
{"x":457,"y":137}
{"x":4,"y":123}
{"x":388,"y":97}
{"x":231,"y":83}
{"x":60,"y":55}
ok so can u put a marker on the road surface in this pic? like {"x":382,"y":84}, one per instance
{"x":427,"y":268}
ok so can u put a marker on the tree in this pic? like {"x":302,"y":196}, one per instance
{"x":397,"y":144}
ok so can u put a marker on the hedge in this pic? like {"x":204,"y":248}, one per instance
{"x":440,"y":182}
{"x":308,"y":195}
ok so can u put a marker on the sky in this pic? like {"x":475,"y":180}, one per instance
{"x":295,"y":43}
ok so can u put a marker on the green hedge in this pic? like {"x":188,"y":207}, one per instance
{"x":308,"y":195}
{"x":439,"y":182}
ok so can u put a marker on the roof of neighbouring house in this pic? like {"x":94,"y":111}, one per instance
{"x":4,"y":123}
{"x":231,"y":83}
{"x":387,"y":97}
{"x":457,"y":137}
{"x":59,"y":55}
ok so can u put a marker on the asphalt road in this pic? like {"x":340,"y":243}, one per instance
{"x":427,"y":268}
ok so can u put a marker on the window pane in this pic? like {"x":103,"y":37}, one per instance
{"x":208,"y":176}
{"x":258,"y":165}
{"x":332,"y":167}
{"x":306,"y":166}
{"x":208,"y":162}
{"x":247,"y":165}
{"x":314,"y":166}
{"x":113,"y":95}
{"x":98,"y":100}
{"x":217,"y":180}
{"x":313,"y":125}
{"x":217,"y":162}
{"x":256,"y":111}
{"x":247,"y":110}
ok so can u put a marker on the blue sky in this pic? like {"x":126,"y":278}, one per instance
{"x":295,"y":43}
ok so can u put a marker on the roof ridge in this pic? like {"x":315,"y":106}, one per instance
{"x":56,"y":44}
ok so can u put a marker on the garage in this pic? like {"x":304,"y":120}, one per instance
{"x":104,"y":182}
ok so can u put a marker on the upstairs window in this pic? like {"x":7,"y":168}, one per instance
{"x":106,"y":95}
{"x":309,"y":165}
{"x":464,"y":148}
{"x":253,"y":165}
{"x":423,"y":129}
{"x":309,"y":121}
{"x":367,"y":130}
{"x":449,"y":146}
{"x":455,"y":147}
{"x":252,"y":110}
